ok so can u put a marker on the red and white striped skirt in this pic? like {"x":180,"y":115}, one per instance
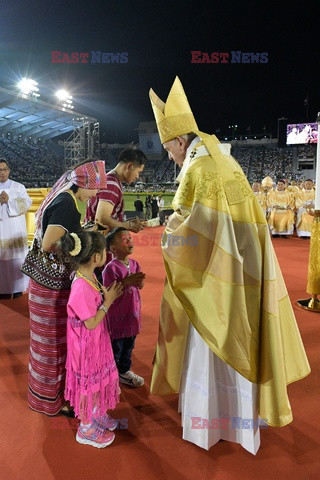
{"x":48,"y":348}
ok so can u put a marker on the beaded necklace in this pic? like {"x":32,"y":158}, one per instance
{"x":127,"y":265}
{"x":95,"y":284}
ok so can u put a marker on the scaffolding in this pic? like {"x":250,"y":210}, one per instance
{"x":83,"y":143}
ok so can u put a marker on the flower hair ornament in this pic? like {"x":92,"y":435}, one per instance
{"x":77,"y":245}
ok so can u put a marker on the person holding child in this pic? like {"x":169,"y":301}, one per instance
{"x":92,"y":384}
{"x":124,"y":315}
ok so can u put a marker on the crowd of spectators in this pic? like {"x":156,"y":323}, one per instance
{"x":36,"y":165}
{"x":41,"y":164}
{"x":306,"y":151}
{"x":265,"y":160}
{"x":258,"y":161}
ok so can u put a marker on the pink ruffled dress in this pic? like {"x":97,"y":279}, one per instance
{"x":92,"y":382}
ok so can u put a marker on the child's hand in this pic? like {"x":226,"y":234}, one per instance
{"x":133,"y":280}
{"x":111,"y":293}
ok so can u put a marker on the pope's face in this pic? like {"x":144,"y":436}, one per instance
{"x":176,"y":149}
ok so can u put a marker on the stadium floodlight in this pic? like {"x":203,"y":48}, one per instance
{"x":62,"y":94}
{"x":65,"y":99}
{"x":68,"y":105}
{"x":27,"y":86}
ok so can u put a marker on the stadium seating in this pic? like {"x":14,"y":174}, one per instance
{"x":39,"y":165}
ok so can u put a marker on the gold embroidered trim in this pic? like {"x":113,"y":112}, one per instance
{"x":14,"y":243}
{"x":209,"y":186}
{"x":172,"y":127}
{"x":21,"y":205}
{"x":244,"y":184}
{"x":185,"y":192}
{"x":233,"y":192}
{"x":313,"y":285}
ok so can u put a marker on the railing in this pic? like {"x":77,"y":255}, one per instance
{"x":37,"y":196}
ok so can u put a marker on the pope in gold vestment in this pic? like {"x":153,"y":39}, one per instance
{"x":222,"y":275}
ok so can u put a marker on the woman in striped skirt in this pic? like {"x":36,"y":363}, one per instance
{"x":50,"y":282}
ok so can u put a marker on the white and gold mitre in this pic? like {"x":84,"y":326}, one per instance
{"x":174,"y":117}
{"x":267,"y":182}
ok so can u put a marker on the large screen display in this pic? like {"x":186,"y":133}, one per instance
{"x":302,"y":133}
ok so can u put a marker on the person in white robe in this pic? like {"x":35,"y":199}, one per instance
{"x":14,"y":203}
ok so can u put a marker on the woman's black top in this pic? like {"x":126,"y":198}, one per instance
{"x":62,"y":212}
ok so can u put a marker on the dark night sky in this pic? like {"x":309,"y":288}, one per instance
{"x":159,"y":37}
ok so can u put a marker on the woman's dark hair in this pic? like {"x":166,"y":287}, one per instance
{"x":91,"y":242}
{"x":74,"y":188}
{"x":137,"y":157}
{"x":110,"y":238}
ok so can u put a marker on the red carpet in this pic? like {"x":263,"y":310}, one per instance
{"x":37,"y":447}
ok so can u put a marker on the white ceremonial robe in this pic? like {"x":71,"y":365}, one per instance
{"x":216,"y":402}
{"x":13,"y":237}
{"x":213,"y":394}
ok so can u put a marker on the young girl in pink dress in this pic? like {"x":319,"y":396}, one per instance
{"x":124,"y":315}
{"x":92,"y":384}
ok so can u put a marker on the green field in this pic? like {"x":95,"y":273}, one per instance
{"x":129,"y":199}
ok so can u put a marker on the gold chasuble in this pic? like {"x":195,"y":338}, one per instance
{"x":223,"y":277}
{"x":281,"y":218}
{"x":262,"y":199}
{"x":304,"y":222}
